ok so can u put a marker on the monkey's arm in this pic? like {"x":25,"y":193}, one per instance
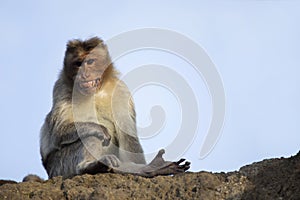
{"x":73,"y":132}
{"x":131,"y":154}
{"x":125,"y":123}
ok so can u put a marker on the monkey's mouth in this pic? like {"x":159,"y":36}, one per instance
{"x":89,"y":86}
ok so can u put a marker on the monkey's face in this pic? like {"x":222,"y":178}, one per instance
{"x":85,"y":65}
{"x":90,"y":72}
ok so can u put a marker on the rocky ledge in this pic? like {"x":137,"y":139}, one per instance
{"x":269,"y":179}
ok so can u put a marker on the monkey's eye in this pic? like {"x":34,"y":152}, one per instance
{"x":90,"y":61}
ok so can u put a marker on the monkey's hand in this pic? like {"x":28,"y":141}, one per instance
{"x":83,"y":130}
{"x":158,"y":166}
{"x":87,"y":129}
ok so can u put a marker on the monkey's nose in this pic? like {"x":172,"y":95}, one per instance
{"x":85,"y":74}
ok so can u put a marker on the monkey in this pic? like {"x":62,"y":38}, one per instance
{"x":91,"y":127}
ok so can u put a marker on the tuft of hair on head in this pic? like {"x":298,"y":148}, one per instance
{"x":86,"y":45}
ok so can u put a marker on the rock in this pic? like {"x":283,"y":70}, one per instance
{"x":269,"y":179}
{"x":2,"y":182}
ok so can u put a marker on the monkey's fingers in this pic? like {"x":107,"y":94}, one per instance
{"x":185,"y":166}
{"x":180,"y":161}
{"x":106,"y":142}
{"x":103,"y":136}
{"x":106,"y":137}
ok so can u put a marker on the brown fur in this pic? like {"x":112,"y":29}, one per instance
{"x":91,"y":127}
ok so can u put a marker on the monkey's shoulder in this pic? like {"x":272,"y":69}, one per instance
{"x":114,"y":101}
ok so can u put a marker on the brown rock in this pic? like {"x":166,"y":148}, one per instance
{"x":269,"y":179}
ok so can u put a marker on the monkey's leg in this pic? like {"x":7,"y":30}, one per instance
{"x":158,"y":166}
{"x":96,"y":157}
{"x":63,"y":162}
{"x":77,"y":158}
{"x":98,"y":160}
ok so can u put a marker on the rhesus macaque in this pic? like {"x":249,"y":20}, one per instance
{"x":91,"y":127}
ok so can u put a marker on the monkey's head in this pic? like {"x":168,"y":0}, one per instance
{"x":85,"y":64}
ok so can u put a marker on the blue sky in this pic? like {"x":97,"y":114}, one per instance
{"x":253,"y":44}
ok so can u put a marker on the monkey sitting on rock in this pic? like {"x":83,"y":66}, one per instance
{"x":91,"y":127}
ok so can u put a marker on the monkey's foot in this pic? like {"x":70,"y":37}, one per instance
{"x":104,"y":164}
{"x":110,"y":161}
{"x":158,"y":166}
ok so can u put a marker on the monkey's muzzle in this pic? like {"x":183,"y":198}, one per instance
{"x":89,"y":87}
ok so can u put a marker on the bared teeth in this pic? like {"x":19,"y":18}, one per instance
{"x":90,"y":84}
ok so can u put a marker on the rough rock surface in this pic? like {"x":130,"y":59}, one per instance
{"x":269,"y":179}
